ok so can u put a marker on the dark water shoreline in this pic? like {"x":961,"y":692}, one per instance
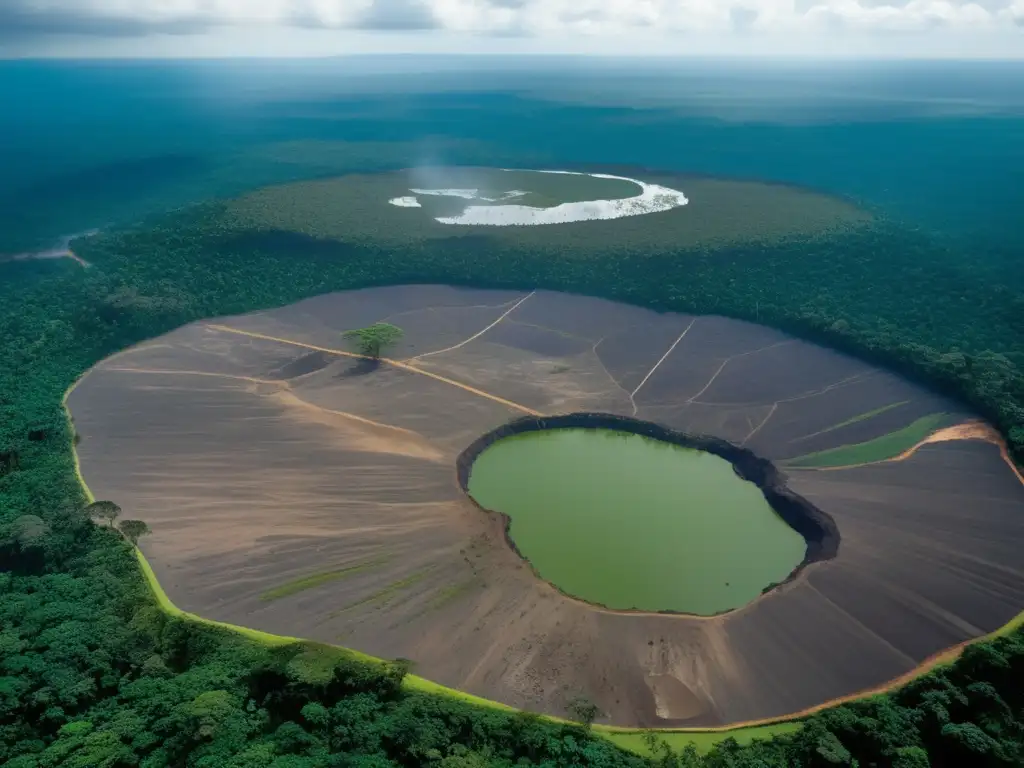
{"x":817,"y":528}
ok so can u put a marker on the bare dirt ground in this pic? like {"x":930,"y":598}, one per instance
{"x":261,"y":457}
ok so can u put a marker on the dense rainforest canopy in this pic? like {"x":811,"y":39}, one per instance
{"x":94,"y":673}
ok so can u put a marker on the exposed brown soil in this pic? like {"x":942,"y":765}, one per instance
{"x":258,"y":459}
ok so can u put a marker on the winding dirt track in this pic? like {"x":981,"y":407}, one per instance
{"x":262,"y":453}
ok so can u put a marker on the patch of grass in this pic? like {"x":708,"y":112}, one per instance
{"x":633,"y":740}
{"x":385,"y":594}
{"x":422,"y":685}
{"x":449,"y":593}
{"x":444,"y":596}
{"x":324,"y":577}
{"x":879,"y":449}
{"x":856,"y":419}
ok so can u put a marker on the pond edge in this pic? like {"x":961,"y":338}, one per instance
{"x":817,"y":527}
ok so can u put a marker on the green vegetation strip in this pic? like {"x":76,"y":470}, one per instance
{"x":854,"y":420}
{"x":172,"y":610}
{"x":636,"y":741}
{"x":384,"y":595}
{"x":450,"y":593}
{"x":324,"y":577}
{"x":879,"y":449}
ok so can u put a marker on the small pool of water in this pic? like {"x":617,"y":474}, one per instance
{"x":626,"y":521}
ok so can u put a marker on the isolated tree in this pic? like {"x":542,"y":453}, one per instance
{"x":373,"y":339}
{"x":104,"y":510}
{"x":584,"y":710}
{"x":396,"y":670}
{"x":133,"y":530}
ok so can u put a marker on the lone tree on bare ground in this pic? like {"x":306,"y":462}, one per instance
{"x":133,"y":530}
{"x":373,"y":339}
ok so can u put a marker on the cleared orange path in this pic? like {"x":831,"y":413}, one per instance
{"x":969,"y":430}
{"x":396,"y":363}
{"x":76,"y":258}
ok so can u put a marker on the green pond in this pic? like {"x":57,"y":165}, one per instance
{"x":625,"y":521}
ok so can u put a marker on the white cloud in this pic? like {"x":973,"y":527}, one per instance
{"x":1014,"y":13}
{"x":729,"y":25}
{"x":916,"y":15}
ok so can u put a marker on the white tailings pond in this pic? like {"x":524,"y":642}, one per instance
{"x":652,"y":199}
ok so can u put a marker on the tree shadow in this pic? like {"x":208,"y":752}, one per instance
{"x":359,"y":367}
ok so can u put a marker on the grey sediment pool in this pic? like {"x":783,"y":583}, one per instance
{"x":629,"y":522}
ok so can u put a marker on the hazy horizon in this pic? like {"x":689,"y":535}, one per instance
{"x":919,"y":29}
{"x":935,"y":142}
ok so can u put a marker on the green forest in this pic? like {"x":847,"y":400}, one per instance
{"x":93,"y":674}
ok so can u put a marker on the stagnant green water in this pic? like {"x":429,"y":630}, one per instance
{"x":630,"y":522}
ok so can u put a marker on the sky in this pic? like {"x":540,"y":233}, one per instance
{"x":296,"y":28}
